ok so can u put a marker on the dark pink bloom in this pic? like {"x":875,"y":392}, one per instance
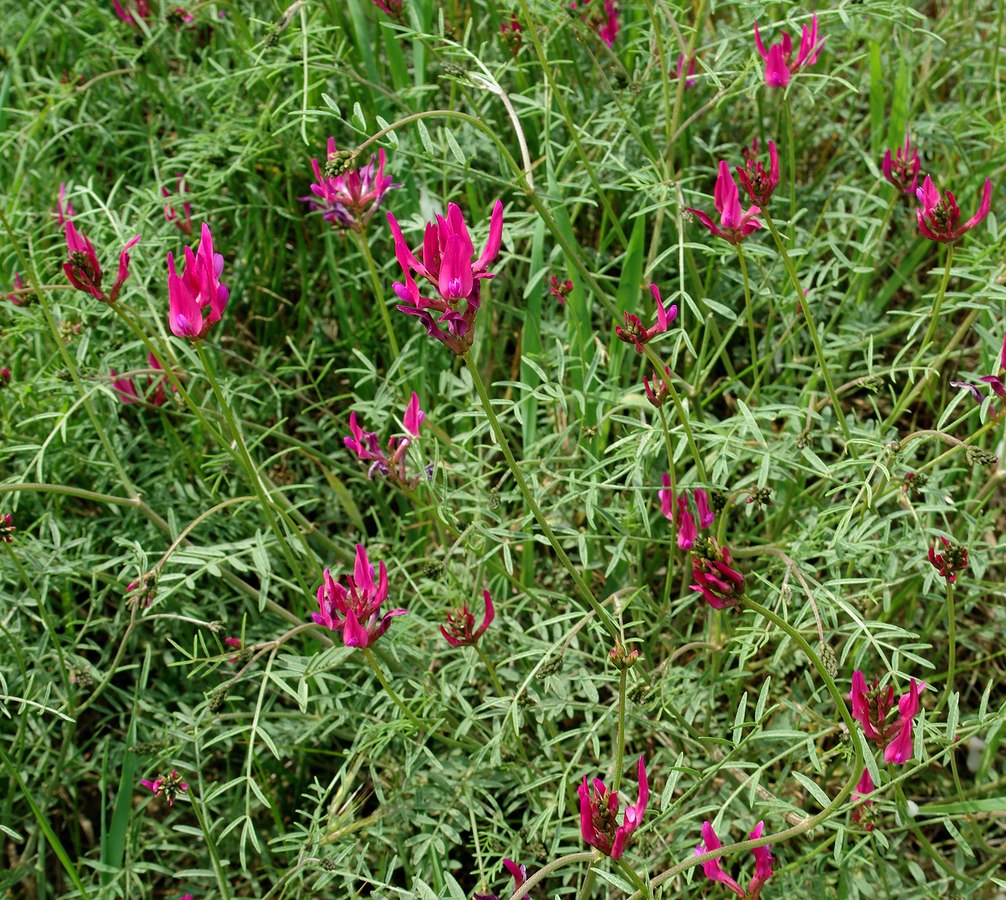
{"x":355,"y":611}
{"x":599,"y":810}
{"x":154,"y":394}
{"x":142,"y":589}
{"x":64,"y":209}
{"x":689,"y":82}
{"x":447,"y":266}
{"x":656,"y":389}
{"x":124,"y":387}
{"x":392,"y":8}
{"x":560,"y":290}
{"x":603,"y":21}
{"x":864,"y":787}
{"x":872,"y":708}
{"x":678,"y":512}
{"x":367,"y":447}
{"x":4,"y":377}
{"x":902,"y":169}
{"x":779,"y":64}
{"x":131,"y":9}
{"x":237,"y":644}
{"x":511,"y":34}
{"x":169,"y":786}
{"x":940,"y":214}
{"x":714,"y":871}
{"x":84,"y":271}
{"x":196,"y":298}
{"x":951,"y":562}
{"x":15,"y":298}
{"x":996,"y":381}
{"x":715,"y":578}
{"x":460,"y":624}
{"x":7,"y":528}
{"x":351,"y":198}
{"x":636,"y":333}
{"x":758,"y":183}
{"x":414,"y":416}
{"x":184,"y":222}
{"x":519,"y":874}
{"x":735,"y":223}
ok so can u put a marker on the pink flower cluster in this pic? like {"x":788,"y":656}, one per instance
{"x":714,"y":871}
{"x":170,"y":787}
{"x":367,"y":448}
{"x":601,"y":15}
{"x":460,"y":630}
{"x":638,"y":334}
{"x":351,"y":198}
{"x":154,"y":394}
{"x":779,"y":62}
{"x":677,"y":511}
{"x":599,"y":814}
{"x":873,"y":707}
{"x":84,"y":271}
{"x":196,"y":298}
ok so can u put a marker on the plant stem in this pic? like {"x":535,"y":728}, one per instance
{"x":588,"y":856}
{"x":641,"y":886}
{"x":491,"y":669}
{"x":658,"y":366}
{"x":361,"y":239}
{"x":951,"y":647}
{"x":390,"y":691}
{"x":750,"y":313}
{"x":802,"y":304}
{"x":620,"y":732}
{"x":787,"y":115}
{"x":536,"y":511}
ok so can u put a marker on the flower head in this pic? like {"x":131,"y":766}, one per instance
{"x":4,"y":376}
{"x":355,"y":611}
{"x":511,"y":34}
{"x":939,"y":214}
{"x":951,"y":562}
{"x":196,"y":298}
{"x":519,"y":874}
{"x":7,"y":528}
{"x":64,"y":209}
{"x":155,"y":394}
{"x":715,"y":578}
{"x":678,"y":512}
{"x":779,"y":64}
{"x":391,"y":8}
{"x":82,"y":267}
{"x":132,"y":10}
{"x":460,"y":624}
{"x":350,"y":198}
{"x":367,"y":447}
{"x":864,"y":787}
{"x":603,"y":20}
{"x":680,"y":70}
{"x":714,"y":871}
{"x":182,"y":222}
{"x":169,"y":786}
{"x":636,"y":333}
{"x":599,"y":810}
{"x":902,"y":169}
{"x":656,"y":388}
{"x":17,"y":296}
{"x":735,"y":223}
{"x":757,"y":183}
{"x":447,"y":265}
{"x":561,"y":289}
{"x":873,"y":707}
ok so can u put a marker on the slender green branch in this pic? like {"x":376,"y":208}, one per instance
{"x":620,"y":731}
{"x":588,"y":856}
{"x":361,"y":239}
{"x":390,"y":690}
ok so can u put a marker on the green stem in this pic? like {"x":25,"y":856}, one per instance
{"x":787,"y":114}
{"x":672,"y":392}
{"x":951,"y":647}
{"x":802,"y":304}
{"x":587,"y":856}
{"x":536,"y":511}
{"x":587,"y":885}
{"x":620,"y":732}
{"x":642,"y":888}
{"x":390,"y":691}
{"x":934,"y":316}
{"x":491,"y":669}
{"x":750,"y":313}
{"x":378,"y":294}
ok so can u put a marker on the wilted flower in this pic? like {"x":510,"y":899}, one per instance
{"x":392,"y":8}
{"x":82,"y":267}
{"x":951,"y":562}
{"x":356,"y":611}
{"x":7,"y":528}
{"x":778,"y":64}
{"x":367,"y":447}
{"x":447,"y":265}
{"x":511,"y":34}
{"x":155,"y":394}
{"x":519,"y":874}
{"x":196,"y":298}
{"x":64,"y":209}
{"x":599,"y":809}
{"x":715,"y":578}
{"x":460,"y":624}
{"x":170,"y":786}
{"x":603,"y":21}
{"x":184,"y":222}
{"x":16,"y":297}
{"x":561,"y":290}
{"x":635,"y":332}
{"x":689,"y":82}
{"x":736,"y":223}
{"x":758,"y":183}
{"x":902,"y":169}
{"x":350,"y":198}
{"x":714,"y":871}
{"x":656,"y":390}
{"x":940,"y":214}
{"x":131,"y":10}
{"x":872,"y":708}
{"x":142,"y":590}
{"x":621,"y":658}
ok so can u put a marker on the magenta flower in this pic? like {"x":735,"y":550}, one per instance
{"x":996,"y":381}
{"x":351,"y":198}
{"x":132,"y":10}
{"x":872,"y":708}
{"x":356,"y":611}
{"x":951,"y":562}
{"x":634,"y":331}
{"x":196,"y":298}
{"x":15,"y":296}
{"x":677,"y":511}
{"x":736,"y":223}
{"x":677,"y":73}
{"x":447,"y":265}
{"x":391,"y":8}
{"x":184,"y":222}
{"x":656,"y":388}
{"x":82,"y":267}
{"x":561,"y":290}
{"x":720,"y":585}
{"x":939,"y":215}
{"x":714,"y":871}
{"x":779,"y":65}
{"x":603,"y":21}
{"x":519,"y":874}
{"x":511,"y":34}
{"x":7,"y":528}
{"x":4,"y":376}
{"x":864,"y":787}
{"x":902,"y":169}
{"x":170,"y":786}
{"x":460,"y":623}
{"x":367,"y":447}
{"x":758,"y":183}
{"x":64,"y":209}
{"x":599,"y":809}
{"x":155,"y":394}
